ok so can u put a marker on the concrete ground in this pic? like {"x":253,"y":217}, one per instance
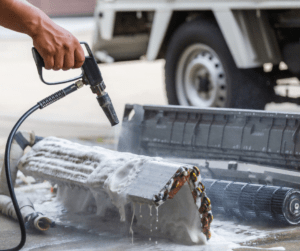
{"x":79,"y":117}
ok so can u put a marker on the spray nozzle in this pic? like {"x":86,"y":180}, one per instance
{"x":92,"y":76}
{"x":106,"y":105}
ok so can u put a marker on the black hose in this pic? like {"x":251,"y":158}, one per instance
{"x":40,"y":105}
{"x":9,"y":180}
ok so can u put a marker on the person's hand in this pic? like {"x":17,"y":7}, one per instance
{"x":58,"y":47}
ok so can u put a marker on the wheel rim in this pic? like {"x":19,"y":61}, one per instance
{"x":200,"y":78}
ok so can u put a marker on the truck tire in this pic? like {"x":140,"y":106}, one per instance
{"x":200,"y":71}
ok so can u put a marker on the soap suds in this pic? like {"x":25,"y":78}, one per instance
{"x":95,"y":168}
{"x":96,"y":179}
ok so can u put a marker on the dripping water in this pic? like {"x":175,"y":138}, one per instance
{"x":150,"y":208}
{"x":133,"y":213}
{"x":156,"y":208}
{"x":141,"y":211}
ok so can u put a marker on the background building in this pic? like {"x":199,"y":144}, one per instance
{"x":56,"y":8}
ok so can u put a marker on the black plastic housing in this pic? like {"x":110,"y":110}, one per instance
{"x":258,"y":137}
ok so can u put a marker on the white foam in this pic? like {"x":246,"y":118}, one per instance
{"x":106,"y":175}
{"x":95,"y":167}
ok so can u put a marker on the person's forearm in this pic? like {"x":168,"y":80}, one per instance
{"x":20,"y":16}
{"x":58,"y":47}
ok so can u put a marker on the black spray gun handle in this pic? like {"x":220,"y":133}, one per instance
{"x":91,"y":75}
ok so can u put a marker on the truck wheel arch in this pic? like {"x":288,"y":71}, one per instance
{"x":248,"y":50}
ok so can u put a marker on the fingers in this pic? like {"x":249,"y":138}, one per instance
{"x":65,"y":56}
{"x":75,"y":60}
{"x":65,"y":59}
{"x":68,"y":58}
{"x":58,"y":61}
{"x":49,"y":62}
{"x":79,"y":57}
{"x":68,"y":61}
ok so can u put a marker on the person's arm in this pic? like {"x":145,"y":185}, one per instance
{"x":58,"y":47}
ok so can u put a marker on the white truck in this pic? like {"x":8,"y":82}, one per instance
{"x":214,"y":50}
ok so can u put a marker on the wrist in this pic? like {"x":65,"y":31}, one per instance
{"x":34,"y":25}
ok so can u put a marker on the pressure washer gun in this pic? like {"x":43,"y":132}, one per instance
{"x":91,"y":75}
